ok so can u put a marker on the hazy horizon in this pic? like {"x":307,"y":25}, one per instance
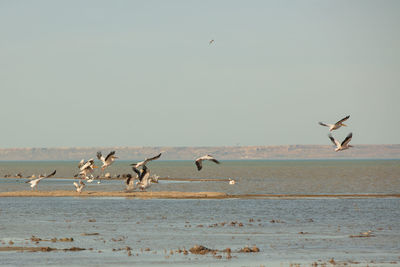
{"x":142,"y":73}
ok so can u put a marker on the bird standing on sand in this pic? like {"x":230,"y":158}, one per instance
{"x":79,"y":186}
{"x":337,"y":125}
{"x":143,"y":163}
{"x":35,"y":182}
{"x":87,"y":168}
{"x":206,"y":157}
{"x":107,"y":161}
{"x":344,"y":145}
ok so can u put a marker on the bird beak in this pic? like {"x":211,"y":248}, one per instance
{"x":344,"y":124}
{"x":94,"y":166}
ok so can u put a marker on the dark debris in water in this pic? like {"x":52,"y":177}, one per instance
{"x":249,"y":250}
{"x":64,"y":239}
{"x":202,"y":250}
{"x":89,"y":234}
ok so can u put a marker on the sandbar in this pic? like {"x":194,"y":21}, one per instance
{"x":183,"y":195}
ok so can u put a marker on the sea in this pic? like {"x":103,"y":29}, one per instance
{"x":299,"y":231}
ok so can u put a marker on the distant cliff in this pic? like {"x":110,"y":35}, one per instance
{"x":189,"y":153}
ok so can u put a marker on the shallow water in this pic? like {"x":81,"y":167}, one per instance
{"x":286,"y":231}
{"x":165,"y":225}
{"x":253,"y":177}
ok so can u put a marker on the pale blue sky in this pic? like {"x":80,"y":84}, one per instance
{"x":142,"y":73}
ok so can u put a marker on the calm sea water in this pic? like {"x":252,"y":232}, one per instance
{"x":286,"y":231}
{"x":269,"y":177}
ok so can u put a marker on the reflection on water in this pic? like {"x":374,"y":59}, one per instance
{"x":263,"y":177}
{"x":286,"y":231}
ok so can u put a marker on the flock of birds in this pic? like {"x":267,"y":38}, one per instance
{"x":143,"y":172}
{"x":86,"y":170}
{"x":345,"y":143}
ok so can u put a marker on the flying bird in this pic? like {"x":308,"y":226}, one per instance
{"x":344,"y":145}
{"x":87,"y":168}
{"x":337,"y":125}
{"x":211,"y":41}
{"x":107,"y":161}
{"x":231,"y":181}
{"x":79,"y":186}
{"x":206,"y":157}
{"x":34,"y":183}
{"x":143,"y":163}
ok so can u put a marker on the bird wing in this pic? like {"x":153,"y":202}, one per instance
{"x":323,"y":124}
{"x":128,"y":180}
{"x":334,"y":141}
{"x":51,"y":174}
{"x":153,"y":158}
{"x":145,"y":172}
{"x":87,"y":164}
{"x":100,"y":156}
{"x":81,"y":163}
{"x":109,"y":155}
{"x":210,"y":158}
{"x":214,"y":160}
{"x":198,"y":164}
{"x":136,"y":170}
{"x":347,"y":139}
{"x":342,"y":120}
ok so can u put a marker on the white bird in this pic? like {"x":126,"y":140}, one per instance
{"x":344,"y":145}
{"x":130,"y":182}
{"x":144,"y":178}
{"x":337,"y":125}
{"x":79,"y":186}
{"x":87,"y":168}
{"x":143,"y":163}
{"x":206,"y":157}
{"x":36,"y":181}
{"x":107,"y":161}
{"x":231,"y":181}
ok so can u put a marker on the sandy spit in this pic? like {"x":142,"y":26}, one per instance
{"x":64,"y":193}
{"x":183,"y":195}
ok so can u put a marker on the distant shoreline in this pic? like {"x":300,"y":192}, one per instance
{"x":281,"y":152}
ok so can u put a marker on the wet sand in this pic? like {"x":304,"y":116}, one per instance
{"x":184,"y":195}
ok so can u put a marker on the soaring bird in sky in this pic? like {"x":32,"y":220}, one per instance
{"x":337,"y":125}
{"x":344,"y":145}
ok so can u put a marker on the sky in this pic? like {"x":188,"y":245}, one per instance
{"x":142,"y":73}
